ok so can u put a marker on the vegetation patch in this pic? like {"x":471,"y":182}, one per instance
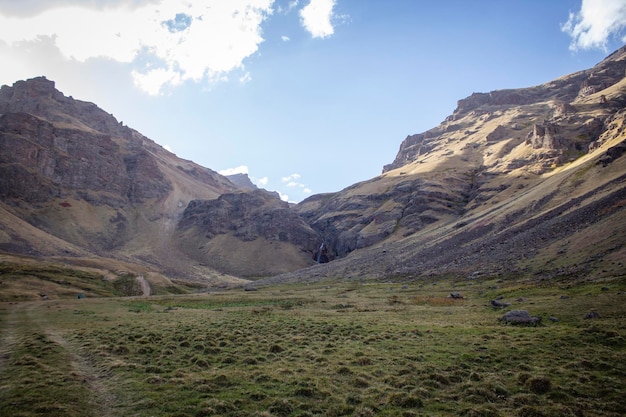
{"x":290,"y":351}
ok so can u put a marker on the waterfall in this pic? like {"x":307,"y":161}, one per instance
{"x":319,"y":253}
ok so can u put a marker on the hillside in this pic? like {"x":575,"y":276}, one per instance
{"x":78,"y":187}
{"x":525,"y":181}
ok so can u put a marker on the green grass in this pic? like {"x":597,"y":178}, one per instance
{"x":26,"y":282}
{"x":330,"y":349}
{"x":23,"y":282}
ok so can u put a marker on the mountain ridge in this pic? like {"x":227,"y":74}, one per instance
{"x":523,"y":181}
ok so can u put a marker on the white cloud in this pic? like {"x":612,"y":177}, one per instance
{"x":316,"y":18}
{"x":260,"y":182}
{"x":153,"y":81}
{"x":291,"y":177}
{"x":167,"y":148}
{"x":291,"y":181}
{"x":246,"y":78}
{"x":290,"y":6}
{"x":241,"y":169}
{"x":285,"y":38}
{"x":283,"y":197}
{"x":167,"y":42}
{"x":595,"y":23}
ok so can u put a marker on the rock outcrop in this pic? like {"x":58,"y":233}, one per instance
{"x":265,"y":227}
{"x":248,"y":216}
{"x":242,"y":181}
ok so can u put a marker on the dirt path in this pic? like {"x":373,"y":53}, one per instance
{"x":145,"y":286}
{"x":86,"y":372}
{"x":18,"y":323}
{"x":7,"y":339}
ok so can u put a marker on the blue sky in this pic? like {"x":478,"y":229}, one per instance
{"x":306,"y":96}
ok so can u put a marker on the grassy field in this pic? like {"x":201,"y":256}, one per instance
{"x":329,"y":349}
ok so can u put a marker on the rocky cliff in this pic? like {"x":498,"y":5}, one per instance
{"x":249,"y":234}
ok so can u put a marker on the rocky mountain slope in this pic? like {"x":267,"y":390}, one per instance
{"x":520,"y":180}
{"x":528,"y":181}
{"x":77,"y":184}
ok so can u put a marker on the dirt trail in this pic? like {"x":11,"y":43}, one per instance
{"x":18,"y":321}
{"x":145,"y":286}
{"x":7,"y":340}
{"x":86,"y":372}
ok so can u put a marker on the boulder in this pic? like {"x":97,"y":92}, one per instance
{"x":520,"y":317}
{"x":592,"y":315}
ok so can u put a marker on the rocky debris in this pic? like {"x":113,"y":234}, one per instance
{"x":612,"y":154}
{"x":499,"y":304}
{"x":592,"y":315}
{"x":553,"y":319}
{"x":520,"y":317}
{"x":456,"y":295}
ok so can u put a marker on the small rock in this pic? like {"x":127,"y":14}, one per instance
{"x":564,"y":297}
{"x":553,"y":319}
{"x":592,"y":315}
{"x":499,"y":304}
{"x":456,"y":295}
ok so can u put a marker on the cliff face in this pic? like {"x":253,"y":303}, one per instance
{"x":269,"y":236}
{"x":40,"y":161}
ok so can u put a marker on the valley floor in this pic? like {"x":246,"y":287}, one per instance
{"x":327,"y":349}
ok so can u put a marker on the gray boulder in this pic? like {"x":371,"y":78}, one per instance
{"x":520,"y":317}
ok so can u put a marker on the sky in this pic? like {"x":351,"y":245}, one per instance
{"x":305,"y":96}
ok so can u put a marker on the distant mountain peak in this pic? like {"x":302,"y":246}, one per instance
{"x":242,"y":181}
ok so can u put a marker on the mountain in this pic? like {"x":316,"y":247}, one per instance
{"x":242,"y":181}
{"x":525,"y":181}
{"x":77,"y":185}
{"x":521,"y":182}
